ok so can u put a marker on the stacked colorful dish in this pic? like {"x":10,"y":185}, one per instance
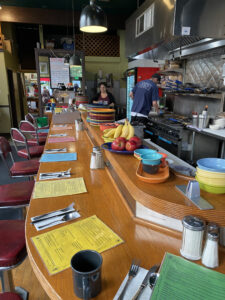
{"x":98,"y":116}
{"x":151,"y":162}
{"x":211,"y":175}
{"x":81,"y":100}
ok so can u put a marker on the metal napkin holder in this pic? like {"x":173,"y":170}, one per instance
{"x":192,"y":192}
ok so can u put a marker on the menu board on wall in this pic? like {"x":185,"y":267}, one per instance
{"x":60,"y":73}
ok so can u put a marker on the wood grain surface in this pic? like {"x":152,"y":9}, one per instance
{"x":105,"y":199}
{"x":163,"y":198}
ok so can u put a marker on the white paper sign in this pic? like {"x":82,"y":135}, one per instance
{"x":60,"y":73}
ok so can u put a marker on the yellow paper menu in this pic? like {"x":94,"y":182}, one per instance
{"x":57,"y":247}
{"x":56,"y":188}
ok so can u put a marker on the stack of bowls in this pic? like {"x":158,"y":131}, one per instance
{"x":211,"y":175}
{"x":151,"y":162}
{"x":138,"y":153}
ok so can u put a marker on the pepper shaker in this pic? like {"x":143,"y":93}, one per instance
{"x":193,"y":230}
{"x":210,"y":256}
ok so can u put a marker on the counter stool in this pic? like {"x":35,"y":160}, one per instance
{"x":18,"y":169}
{"x":28,"y":152}
{"x":10,"y":296}
{"x":12,"y":253}
{"x":28,"y":128}
{"x":16,"y":196}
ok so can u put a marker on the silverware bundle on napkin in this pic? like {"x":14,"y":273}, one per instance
{"x":59,"y":150}
{"x":137,"y":284}
{"x":55,"y":217}
{"x":55,"y":175}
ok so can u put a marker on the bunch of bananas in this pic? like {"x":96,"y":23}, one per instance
{"x":126,"y":131}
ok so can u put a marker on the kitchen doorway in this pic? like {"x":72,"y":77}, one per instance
{"x":12,"y":100}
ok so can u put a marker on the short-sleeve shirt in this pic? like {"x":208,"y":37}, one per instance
{"x":104,"y":101}
{"x":144,"y":92}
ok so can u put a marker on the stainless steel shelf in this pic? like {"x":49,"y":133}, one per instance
{"x":172,"y":71}
{"x":214,"y":96}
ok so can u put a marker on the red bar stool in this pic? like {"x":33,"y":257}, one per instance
{"x":18,"y":169}
{"x":28,"y":152}
{"x":15,"y":196}
{"x":12,"y":253}
{"x":10,"y":296}
{"x":28,"y":128}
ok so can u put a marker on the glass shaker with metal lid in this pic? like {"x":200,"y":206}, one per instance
{"x":193,"y":230}
{"x":210,"y":256}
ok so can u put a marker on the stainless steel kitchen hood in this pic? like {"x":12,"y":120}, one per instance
{"x":180,"y":28}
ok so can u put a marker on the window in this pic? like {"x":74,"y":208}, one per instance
{"x":145,"y":21}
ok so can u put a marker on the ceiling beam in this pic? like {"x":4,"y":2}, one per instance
{"x":58,"y":17}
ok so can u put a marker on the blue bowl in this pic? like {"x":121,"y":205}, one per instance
{"x":212,"y":164}
{"x":138,"y":153}
{"x":151,"y":159}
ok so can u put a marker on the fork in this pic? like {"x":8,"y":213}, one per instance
{"x":132,"y":273}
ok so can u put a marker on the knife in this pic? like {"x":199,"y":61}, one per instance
{"x":53,"y":213}
{"x":145,"y":282}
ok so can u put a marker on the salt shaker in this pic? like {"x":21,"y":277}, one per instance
{"x":193,"y":230}
{"x":210,"y":256}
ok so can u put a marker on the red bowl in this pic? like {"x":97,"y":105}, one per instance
{"x":163,"y":159}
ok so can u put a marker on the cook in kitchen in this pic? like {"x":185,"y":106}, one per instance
{"x":145,"y":95}
{"x":104,"y":97}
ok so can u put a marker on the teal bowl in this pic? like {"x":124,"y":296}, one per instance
{"x":151,"y":159}
{"x":138,"y":153}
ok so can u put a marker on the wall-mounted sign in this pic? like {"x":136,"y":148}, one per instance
{"x":60,"y":72}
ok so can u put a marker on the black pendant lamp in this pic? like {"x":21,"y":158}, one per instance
{"x":74,"y":59}
{"x":93,"y":19}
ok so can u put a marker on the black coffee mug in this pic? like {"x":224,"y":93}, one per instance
{"x":86,"y":269}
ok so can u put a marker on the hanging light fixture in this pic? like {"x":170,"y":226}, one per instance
{"x":74,"y":59}
{"x":93,"y":19}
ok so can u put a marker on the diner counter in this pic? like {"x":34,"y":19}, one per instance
{"x":106,"y":198}
{"x":163,"y":198}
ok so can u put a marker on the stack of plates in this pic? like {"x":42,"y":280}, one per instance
{"x":81,"y":100}
{"x":98,"y":116}
{"x":211,"y":175}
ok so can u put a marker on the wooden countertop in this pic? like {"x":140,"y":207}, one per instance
{"x":106,"y":201}
{"x":163,"y":198}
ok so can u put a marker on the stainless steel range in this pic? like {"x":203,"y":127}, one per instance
{"x":169,"y":133}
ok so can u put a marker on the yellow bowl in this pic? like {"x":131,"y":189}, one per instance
{"x":211,"y":189}
{"x":220,"y":182}
{"x":210,"y":174}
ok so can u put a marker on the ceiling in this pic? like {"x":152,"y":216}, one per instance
{"x":112,"y":7}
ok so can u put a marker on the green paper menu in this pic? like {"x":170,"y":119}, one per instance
{"x":181,"y":279}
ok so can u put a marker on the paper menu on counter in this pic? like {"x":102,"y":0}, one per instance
{"x":63,"y":139}
{"x":56,"y":247}
{"x":58,"y":157}
{"x":182,"y":279}
{"x":57,"y":188}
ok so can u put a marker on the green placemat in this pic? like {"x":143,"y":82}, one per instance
{"x":181,"y":279}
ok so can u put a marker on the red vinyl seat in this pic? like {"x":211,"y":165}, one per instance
{"x":27,"y":127}
{"x":18,"y":138}
{"x":12,"y":253}
{"x":16,"y":194}
{"x":31,"y":152}
{"x":22,"y":168}
{"x":25,"y":168}
{"x":13,"y":249}
{"x":10,"y":296}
